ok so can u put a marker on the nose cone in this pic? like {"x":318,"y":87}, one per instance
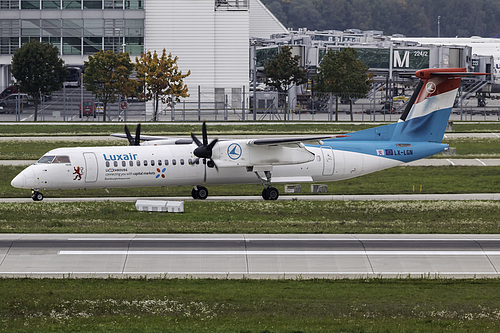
{"x":26,"y":179}
{"x":19,"y":181}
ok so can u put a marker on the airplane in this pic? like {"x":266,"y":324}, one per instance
{"x":161,"y":161}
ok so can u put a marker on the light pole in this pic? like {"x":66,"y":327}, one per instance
{"x":439,"y":26}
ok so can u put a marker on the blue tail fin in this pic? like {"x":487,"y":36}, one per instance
{"x":426,"y":115}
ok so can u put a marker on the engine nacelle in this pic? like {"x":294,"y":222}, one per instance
{"x":236,"y":153}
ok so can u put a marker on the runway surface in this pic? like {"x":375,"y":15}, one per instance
{"x":249,"y":256}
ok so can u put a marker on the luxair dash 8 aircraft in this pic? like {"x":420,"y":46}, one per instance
{"x":160,"y":161}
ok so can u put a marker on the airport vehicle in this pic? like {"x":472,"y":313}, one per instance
{"x":73,"y":77}
{"x":160,"y":161}
{"x":8,"y":104}
{"x":87,"y":108}
{"x":7,"y":91}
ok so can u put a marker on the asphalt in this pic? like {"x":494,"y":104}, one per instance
{"x":249,"y":256}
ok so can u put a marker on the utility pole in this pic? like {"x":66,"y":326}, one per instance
{"x":439,"y":26}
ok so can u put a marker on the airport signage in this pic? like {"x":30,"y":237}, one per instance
{"x":402,"y":59}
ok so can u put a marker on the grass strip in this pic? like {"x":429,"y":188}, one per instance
{"x":250,"y":306}
{"x":417,"y":217}
{"x":216,"y":129}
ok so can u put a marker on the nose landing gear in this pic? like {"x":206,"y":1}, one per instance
{"x":36,"y":196}
{"x":199,"y":192}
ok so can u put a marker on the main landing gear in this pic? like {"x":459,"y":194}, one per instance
{"x":269,"y":192}
{"x":36,"y":196}
{"x":199,"y":192}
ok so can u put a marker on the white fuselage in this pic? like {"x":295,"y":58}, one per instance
{"x":170,"y":165}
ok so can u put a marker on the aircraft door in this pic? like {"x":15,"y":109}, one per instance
{"x":328,"y":161}
{"x":91,"y":165}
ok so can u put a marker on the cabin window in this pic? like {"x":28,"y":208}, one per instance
{"x":124,"y":164}
{"x":138,"y":163}
{"x":61,"y":159}
{"x":46,"y":159}
{"x":174,"y":161}
{"x":182,"y":161}
{"x":190,"y":162}
{"x":145,"y":162}
{"x":152,"y":162}
{"x":159,"y":162}
{"x":107,"y":164}
{"x":115,"y":163}
{"x":131,"y":163}
{"x":166,"y":162}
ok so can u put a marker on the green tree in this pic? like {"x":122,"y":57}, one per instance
{"x":38,"y":70}
{"x":343,"y":75}
{"x":107,"y":76}
{"x":283,"y":71}
{"x":159,"y":78}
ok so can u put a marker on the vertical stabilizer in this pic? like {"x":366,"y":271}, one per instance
{"x":426,"y":115}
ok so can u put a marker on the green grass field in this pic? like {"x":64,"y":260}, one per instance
{"x":258,"y":217}
{"x":229,"y":128}
{"x":253,"y":306}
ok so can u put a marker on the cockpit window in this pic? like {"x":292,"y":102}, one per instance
{"x":46,"y":159}
{"x":61,"y":159}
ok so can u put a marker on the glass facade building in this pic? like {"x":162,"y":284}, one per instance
{"x":77,"y":28}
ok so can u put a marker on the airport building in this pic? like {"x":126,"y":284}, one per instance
{"x":210,"y":37}
{"x":392,"y":60}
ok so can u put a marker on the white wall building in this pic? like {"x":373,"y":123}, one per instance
{"x":210,"y":37}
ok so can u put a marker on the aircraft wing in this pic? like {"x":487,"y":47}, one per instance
{"x":285,"y":141}
{"x":143,"y":137}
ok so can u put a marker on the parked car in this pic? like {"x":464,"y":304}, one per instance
{"x":8,"y":104}
{"x":7,"y":91}
{"x":99,"y":108}
{"x":87,"y":108}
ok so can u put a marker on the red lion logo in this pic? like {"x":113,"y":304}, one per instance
{"x":78,"y":172}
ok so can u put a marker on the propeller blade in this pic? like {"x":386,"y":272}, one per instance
{"x":138,"y":135}
{"x":129,"y":136}
{"x":212,"y":144}
{"x":205,"y":173}
{"x":204,"y":133}
{"x":195,"y":139}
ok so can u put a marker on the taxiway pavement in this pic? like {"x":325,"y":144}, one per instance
{"x":249,"y":256}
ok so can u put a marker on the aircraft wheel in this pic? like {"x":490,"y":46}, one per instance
{"x":37,"y":196}
{"x":270,"y":193}
{"x":273,"y":193}
{"x":194,"y":193}
{"x":202,"y":192}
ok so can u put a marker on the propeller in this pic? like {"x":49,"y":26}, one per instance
{"x":134,"y":141}
{"x":204,"y":149}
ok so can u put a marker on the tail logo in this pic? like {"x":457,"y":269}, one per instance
{"x":430,"y":87}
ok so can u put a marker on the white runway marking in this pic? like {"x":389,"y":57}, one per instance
{"x":284,"y":253}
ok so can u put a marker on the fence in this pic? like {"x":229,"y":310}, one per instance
{"x":235,"y":105}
